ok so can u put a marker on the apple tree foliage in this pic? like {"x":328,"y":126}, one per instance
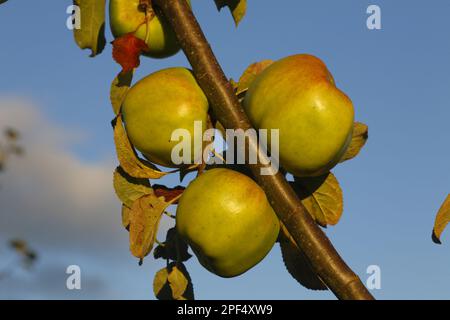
{"x":145,"y":204}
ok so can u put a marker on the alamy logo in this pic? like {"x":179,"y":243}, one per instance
{"x":374,"y":19}
{"x":74,"y":20}
{"x":73,"y":281}
{"x":374,"y":280}
{"x":236,"y":145}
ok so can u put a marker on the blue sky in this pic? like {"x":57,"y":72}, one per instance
{"x":397,"y":77}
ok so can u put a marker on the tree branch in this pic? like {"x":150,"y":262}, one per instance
{"x":324,"y":259}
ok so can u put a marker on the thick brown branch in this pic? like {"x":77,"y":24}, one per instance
{"x":324,"y":259}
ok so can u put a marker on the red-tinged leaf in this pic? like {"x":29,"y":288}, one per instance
{"x":169,"y":194}
{"x":126,"y":51}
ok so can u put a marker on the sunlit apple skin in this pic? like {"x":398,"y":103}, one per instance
{"x":227,"y":220}
{"x":298,"y":96}
{"x":157,"y":105}
{"x":125,"y":18}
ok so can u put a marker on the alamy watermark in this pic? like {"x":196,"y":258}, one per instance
{"x":374,"y":20}
{"x":73,"y":281}
{"x":235,"y":140}
{"x":373,"y":282}
{"x":74,"y":20}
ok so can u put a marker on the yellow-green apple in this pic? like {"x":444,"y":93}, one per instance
{"x":158,"y":105}
{"x":127,"y":17}
{"x":227,"y":220}
{"x":298,"y":96}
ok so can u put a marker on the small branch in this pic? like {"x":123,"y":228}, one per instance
{"x":324,"y":259}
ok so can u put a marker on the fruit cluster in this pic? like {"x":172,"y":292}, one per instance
{"x":224,"y":215}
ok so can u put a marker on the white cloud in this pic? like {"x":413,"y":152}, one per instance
{"x":50,"y":193}
{"x":66,"y":209}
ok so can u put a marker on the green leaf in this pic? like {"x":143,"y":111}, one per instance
{"x":173,"y":283}
{"x":359,"y":139}
{"x":144,"y":217}
{"x":442,"y":220}
{"x":127,"y":156}
{"x":3,"y":1}
{"x":238,"y":8}
{"x":91,"y":34}
{"x":322,"y":197}
{"x":297,"y":263}
{"x":119,"y":89}
{"x":129,"y":189}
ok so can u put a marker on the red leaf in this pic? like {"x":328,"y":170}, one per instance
{"x":168,"y":193}
{"x":126,"y":51}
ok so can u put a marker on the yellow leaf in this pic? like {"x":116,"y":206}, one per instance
{"x":173,"y":283}
{"x":297,"y":263}
{"x":119,"y":89}
{"x":359,"y":139}
{"x":144,"y":216}
{"x":129,"y":189}
{"x":91,"y":34}
{"x":250,"y":74}
{"x":238,"y":8}
{"x":442,"y":219}
{"x":161,"y":287}
{"x":126,"y":216}
{"x":178,"y":282}
{"x":128,"y":158}
{"x":322,"y":197}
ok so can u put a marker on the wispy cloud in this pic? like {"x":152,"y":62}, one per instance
{"x":66,"y":207}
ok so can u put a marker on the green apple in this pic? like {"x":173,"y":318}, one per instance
{"x":227,"y":220}
{"x":298,"y":96}
{"x":159,"y":104}
{"x":126,"y":17}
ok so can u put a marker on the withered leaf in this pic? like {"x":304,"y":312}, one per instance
{"x":129,"y":189}
{"x":173,"y":283}
{"x":297,"y":263}
{"x":238,"y":8}
{"x":144,"y":215}
{"x":169,"y":194}
{"x":322,"y":197}
{"x":119,"y":89}
{"x":19,"y":245}
{"x":359,"y":139}
{"x":128,"y":158}
{"x":126,"y":51}
{"x":11,"y":134}
{"x":91,"y":34}
{"x":250,"y":74}
{"x":442,"y":220}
